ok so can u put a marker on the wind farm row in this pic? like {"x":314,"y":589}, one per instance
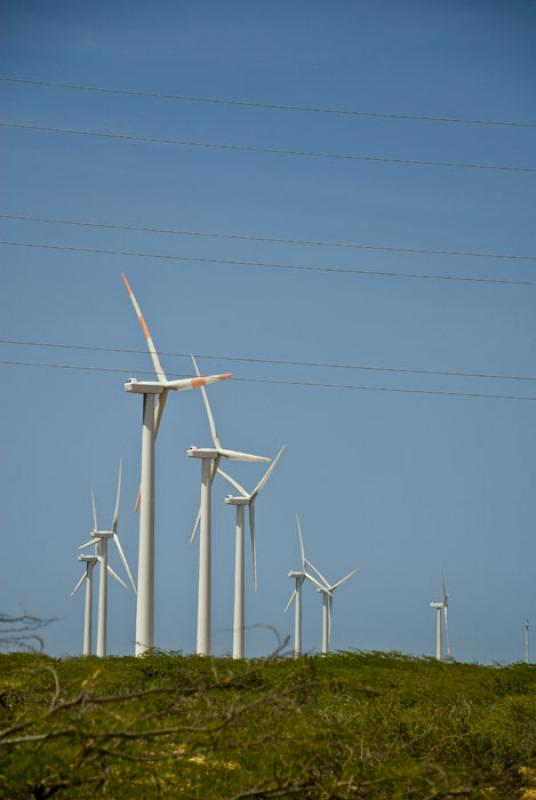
{"x":155,"y":395}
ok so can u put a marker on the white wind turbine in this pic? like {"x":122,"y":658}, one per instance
{"x":99,"y":539}
{"x":245,"y":499}
{"x":150,"y":426}
{"x":87,"y":576}
{"x":443,"y":605}
{"x":326,"y":590}
{"x":210,"y":459}
{"x":299,"y":578}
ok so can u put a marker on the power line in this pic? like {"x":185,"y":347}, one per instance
{"x":269,"y":106}
{"x":281,"y":382}
{"x":268,"y":239}
{"x":131,"y":137}
{"x":265,"y":264}
{"x":277,"y":361}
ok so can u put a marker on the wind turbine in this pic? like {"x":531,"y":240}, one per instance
{"x":526,"y":653}
{"x":299,"y":578}
{"x":87,"y":576}
{"x":326,"y":590}
{"x":443,"y":605}
{"x":152,"y":418}
{"x":210,"y":459}
{"x":245,"y":499}
{"x":99,"y":539}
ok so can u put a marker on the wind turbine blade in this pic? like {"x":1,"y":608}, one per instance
{"x":445,"y":593}
{"x":214,"y":471}
{"x":115,"y":520}
{"x":88,"y":544}
{"x":253,"y":540}
{"x":94,"y":509}
{"x":343,"y":580}
{"x":116,"y":577}
{"x":138,"y":501}
{"x":196,"y":525}
{"x":234,"y":483}
{"x":316,"y":583}
{"x":268,"y":472}
{"x":300,"y":537}
{"x":162,"y":399}
{"x":326,"y":584}
{"x":236,"y":455}
{"x":160,"y":374}
{"x":79,"y":584}
{"x":124,"y":561}
{"x":446,"y":614}
{"x":186,"y":384}
{"x":212,"y":424}
{"x":292,"y":596}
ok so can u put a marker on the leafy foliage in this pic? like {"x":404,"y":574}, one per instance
{"x":351,"y":725}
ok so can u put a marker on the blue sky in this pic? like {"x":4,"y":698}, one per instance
{"x":406,"y":487}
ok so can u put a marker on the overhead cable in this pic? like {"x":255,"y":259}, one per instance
{"x":278,"y":361}
{"x":265,"y":264}
{"x":132,"y":137}
{"x":268,"y":106}
{"x":282,"y":382}
{"x":266,"y":239}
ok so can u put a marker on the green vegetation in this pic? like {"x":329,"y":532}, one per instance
{"x":352,"y":725}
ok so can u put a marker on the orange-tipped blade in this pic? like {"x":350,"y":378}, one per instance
{"x":160,"y":374}
{"x":184,"y":384}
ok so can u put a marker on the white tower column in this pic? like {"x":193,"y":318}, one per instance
{"x":238,"y":618}
{"x":439,"y":647}
{"x":298,"y":619}
{"x":88,"y":609}
{"x":325,"y":623}
{"x":103,"y":599}
{"x":145,"y":598}
{"x":204,"y":621}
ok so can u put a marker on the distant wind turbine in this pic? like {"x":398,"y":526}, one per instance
{"x":526,"y":653}
{"x":87,"y":576}
{"x":443,"y":605}
{"x":299,"y":578}
{"x":245,"y":499}
{"x":326,"y":590}
{"x":99,"y":539}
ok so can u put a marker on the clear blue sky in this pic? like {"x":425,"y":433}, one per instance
{"x":405,"y":487}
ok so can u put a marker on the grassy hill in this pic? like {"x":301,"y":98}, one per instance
{"x":352,"y":725}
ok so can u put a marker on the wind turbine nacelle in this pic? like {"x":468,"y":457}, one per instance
{"x":88,"y":559}
{"x":437,"y":605}
{"x":201,"y":452}
{"x":231,"y":500}
{"x":143,"y":387}
{"x":102,"y":534}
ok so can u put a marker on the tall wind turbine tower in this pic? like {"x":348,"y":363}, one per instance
{"x":152,"y":416}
